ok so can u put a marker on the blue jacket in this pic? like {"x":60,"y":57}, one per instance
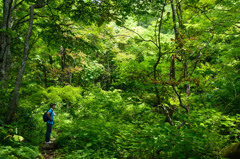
{"x":50,"y":111}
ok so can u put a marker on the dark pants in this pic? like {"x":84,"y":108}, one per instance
{"x":48,"y":133}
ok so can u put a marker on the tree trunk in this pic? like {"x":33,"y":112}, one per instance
{"x":45,"y":76}
{"x":44,"y":70}
{"x":179,"y":14}
{"x":159,"y":100}
{"x":179,"y":47}
{"x":239,"y":65}
{"x":188,"y":87}
{"x":172,"y":67}
{"x":5,"y":51}
{"x":63,"y":57}
{"x":14,"y":101}
{"x":175,"y":22}
{"x":63,"y":63}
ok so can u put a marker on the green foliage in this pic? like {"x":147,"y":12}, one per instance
{"x":6,"y":135}
{"x":104,"y":124}
{"x":101,"y":77}
{"x":133,"y":131}
{"x":67,"y":95}
{"x":27,"y":152}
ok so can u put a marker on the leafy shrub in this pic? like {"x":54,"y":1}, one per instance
{"x":103,"y":124}
{"x":27,"y":152}
{"x":108,"y":126}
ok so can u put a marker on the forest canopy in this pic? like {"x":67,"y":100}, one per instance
{"x":130,"y":78}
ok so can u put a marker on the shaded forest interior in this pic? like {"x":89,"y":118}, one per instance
{"x":134,"y":79}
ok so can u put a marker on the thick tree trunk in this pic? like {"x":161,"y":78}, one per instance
{"x":14,"y":101}
{"x":5,"y":51}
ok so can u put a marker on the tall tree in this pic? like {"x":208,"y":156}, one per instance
{"x":14,"y":101}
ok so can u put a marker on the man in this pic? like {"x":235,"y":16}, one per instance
{"x":50,"y":115}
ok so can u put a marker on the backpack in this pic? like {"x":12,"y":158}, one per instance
{"x":45,"y":117}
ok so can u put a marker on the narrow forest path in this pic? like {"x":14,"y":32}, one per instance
{"x":47,"y":150}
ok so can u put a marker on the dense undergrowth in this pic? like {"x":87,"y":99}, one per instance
{"x":117,"y":71}
{"x":95,"y":123}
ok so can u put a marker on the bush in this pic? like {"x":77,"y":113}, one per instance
{"x":27,"y":152}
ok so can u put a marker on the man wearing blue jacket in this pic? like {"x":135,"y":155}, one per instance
{"x":50,"y":115}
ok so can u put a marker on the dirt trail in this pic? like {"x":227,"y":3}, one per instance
{"x":47,"y":150}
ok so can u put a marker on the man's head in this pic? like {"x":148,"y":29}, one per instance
{"x":52,"y":105}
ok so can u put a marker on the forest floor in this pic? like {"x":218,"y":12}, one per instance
{"x":47,"y":150}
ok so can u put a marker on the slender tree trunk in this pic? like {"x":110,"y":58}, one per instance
{"x":63,"y":57}
{"x":63,"y":63}
{"x":172,"y":67}
{"x":159,"y":100}
{"x":44,"y":70}
{"x":179,"y":13}
{"x":5,"y":51}
{"x":238,"y":66}
{"x":41,"y":64}
{"x":158,"y":60}
{"x":45,"y":75}
{"x":14,"y":101}
{"x":70,"y":78}
{"x":188,"y":87}
{"x":50,"y":59}
{"x":174,"y":22}
{"x":179,"y":47}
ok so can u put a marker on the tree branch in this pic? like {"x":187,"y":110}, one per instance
{"x":16,"y":5}
{"x":41,"y":4}
{"x":167,"y":114}
{"x":180,"y":99}
{"x":140,"y":35}
{"x":19,"y":22}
